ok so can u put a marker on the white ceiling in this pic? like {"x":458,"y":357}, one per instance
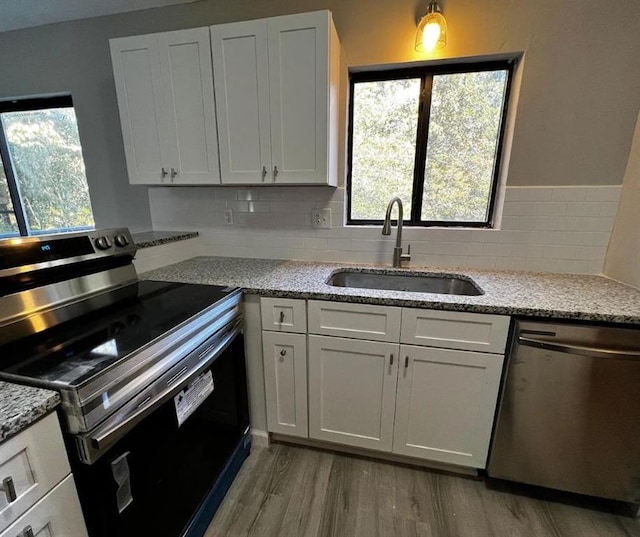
{"x":16,"y":14}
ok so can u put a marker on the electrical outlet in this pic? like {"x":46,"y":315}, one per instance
{"x":321,"y":219}
{"x":228,"y":217}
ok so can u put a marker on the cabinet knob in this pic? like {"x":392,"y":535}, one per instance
{"x":163,"y":173}
{"x":27,"y":532}
{"x":174,"y":173}
{"x":264,"y":172}
{"x":391,"y":359}
{"x":9,"y":489}
{"x":281,"y":317}
{"x":406,"y":362}
{"x":283,"y":352}
{"x":275,"y":172}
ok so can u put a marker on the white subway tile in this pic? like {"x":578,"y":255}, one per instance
{"x":569,"y":193}
{"x":609,"y":208}
{"x":551,"y":209}
{"x":519,"y":208}
{"x":603,"y":193}
{"x":536,"y":193}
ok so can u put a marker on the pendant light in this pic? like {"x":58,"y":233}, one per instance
{"x":432,"y":30}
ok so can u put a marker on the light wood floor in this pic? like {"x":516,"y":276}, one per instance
{"x":287,"y":491}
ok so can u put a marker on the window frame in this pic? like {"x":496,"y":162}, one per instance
{"x":425,"y":73}
{"x":25,"y":105}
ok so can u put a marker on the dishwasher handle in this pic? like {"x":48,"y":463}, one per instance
{"x":582,"y":350}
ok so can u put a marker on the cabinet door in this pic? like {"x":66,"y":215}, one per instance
{"x":58,"y":514}
{"x":352,"y":391}
{"x":136,"y":69}
{"x":285,"y":376}
{"x":240,"y":64}
{"x":446,"y":404}
{"x":35,"y":460}
{"x":299,"y":92}
{"x":185,"y":59}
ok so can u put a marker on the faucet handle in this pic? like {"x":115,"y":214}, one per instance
{"x":407,"y":256}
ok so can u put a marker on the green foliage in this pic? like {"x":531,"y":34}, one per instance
{"x":49,"y":167}
{"x":464,"y":126}
{"x":464,"y":123}
{"x":385,"y":119}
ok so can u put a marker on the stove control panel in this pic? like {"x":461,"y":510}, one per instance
{"x":24,"y":254}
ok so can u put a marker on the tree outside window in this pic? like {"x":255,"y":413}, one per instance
{"x":43,"y":184}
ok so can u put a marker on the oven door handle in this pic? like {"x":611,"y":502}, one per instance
{"x":115,"y":428}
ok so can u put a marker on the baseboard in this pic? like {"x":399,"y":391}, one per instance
{"x":260,"y":438}
{"x":328,"y":446}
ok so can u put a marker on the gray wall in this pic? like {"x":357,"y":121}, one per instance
{"x":623,"y":257}
{"x":577,"y":108}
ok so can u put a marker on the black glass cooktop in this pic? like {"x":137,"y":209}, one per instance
{"x":73,"y":352}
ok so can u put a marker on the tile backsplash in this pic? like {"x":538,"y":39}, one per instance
{"x":555,"y":229}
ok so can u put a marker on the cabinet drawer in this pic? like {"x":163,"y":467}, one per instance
{"x":35,"y":460}
{"x":284,"y":315}
{"x":58,"y":514}
{"x":359,"y":321}
{"x":285,"y":376}
{"x":455,"y":330}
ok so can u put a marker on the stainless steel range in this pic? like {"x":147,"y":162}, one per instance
{"x":151,"y":375}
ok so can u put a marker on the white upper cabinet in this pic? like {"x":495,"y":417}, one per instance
{"x":276,"y":96}
{"x":164,"y":84}
{"x":240,"y":61}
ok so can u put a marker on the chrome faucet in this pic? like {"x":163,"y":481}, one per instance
{"x":398,"y":256}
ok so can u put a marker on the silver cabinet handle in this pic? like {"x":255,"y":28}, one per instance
{"x":391,"y":359}
{"x":283,"y":352}
{"x":281,"y":317}
{"x":406,"y":362}
{"x":27,"y":532}
{"x":275,"y":172}
{"x":163,"y":173}
{"x":264,"y":172}
{"x":174,"y":173}
{"x":9,"y":489}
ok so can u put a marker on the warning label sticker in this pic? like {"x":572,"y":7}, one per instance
{"x":192,"y":396}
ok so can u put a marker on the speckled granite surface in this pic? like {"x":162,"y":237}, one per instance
{"x":560,"y":296}
{"x":20,"y":406}
{"x":146,"y":239}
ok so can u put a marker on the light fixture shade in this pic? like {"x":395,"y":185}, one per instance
{"x":432,"y":30}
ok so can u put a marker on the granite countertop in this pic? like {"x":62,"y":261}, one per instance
{"x":560,"y":296}
{"x":20,"y":406}
{"x":146,"y":239}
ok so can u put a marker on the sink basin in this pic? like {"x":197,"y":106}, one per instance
{"x":415,"y":283}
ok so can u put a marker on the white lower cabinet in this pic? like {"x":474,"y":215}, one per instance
{"x":352,"y":391}
{"x":445,"y":405}
{"x":285,"y":371}
{"x":434,"y":401}
{"x":58,"y":514}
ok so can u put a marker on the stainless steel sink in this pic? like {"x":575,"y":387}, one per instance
{"x":415,"y":283}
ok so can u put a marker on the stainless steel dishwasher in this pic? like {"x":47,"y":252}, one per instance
{"x":569,"y":415}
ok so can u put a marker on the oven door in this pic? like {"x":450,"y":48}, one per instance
{"x":155,"y":478}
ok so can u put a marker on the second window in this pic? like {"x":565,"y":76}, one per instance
{"x":433,"y":137}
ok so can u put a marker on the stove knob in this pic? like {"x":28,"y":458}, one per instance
{"x":103,"y":243}
{"x":121,"y":240}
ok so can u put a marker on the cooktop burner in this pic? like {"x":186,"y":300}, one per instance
{"x":72,"y":352}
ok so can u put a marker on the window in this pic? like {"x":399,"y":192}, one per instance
{"x":43,"y":186}
{"x":430,"y":135}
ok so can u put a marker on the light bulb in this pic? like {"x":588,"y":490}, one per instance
{"x":431,"y":35}
{"x":432,"y":30}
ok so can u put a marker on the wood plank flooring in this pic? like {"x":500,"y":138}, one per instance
{"x":289,"y":491}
